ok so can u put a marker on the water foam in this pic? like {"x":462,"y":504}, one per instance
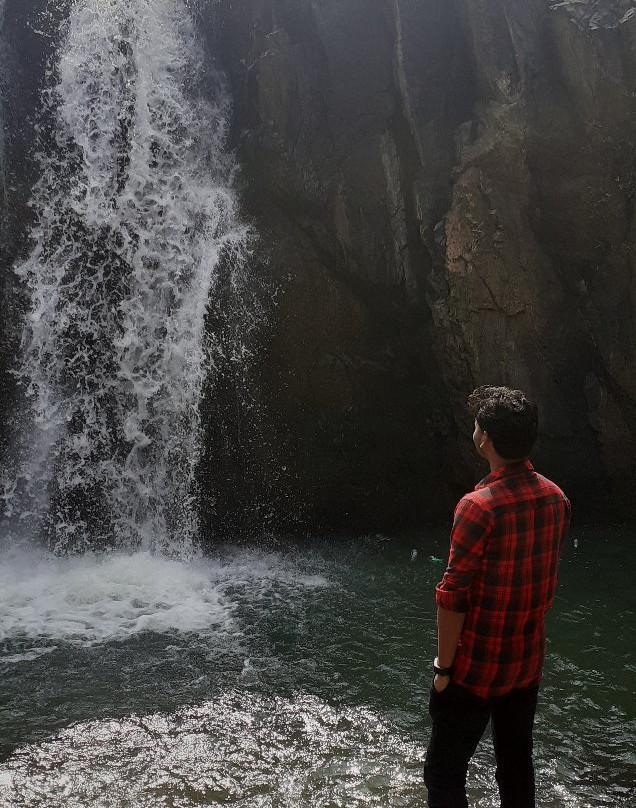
{"x":92,"y":599}
{"x":134,"y":211}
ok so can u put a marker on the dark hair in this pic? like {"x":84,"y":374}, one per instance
{"x":509,"y":417}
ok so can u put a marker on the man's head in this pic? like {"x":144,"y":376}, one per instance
{"x":508,"y":418}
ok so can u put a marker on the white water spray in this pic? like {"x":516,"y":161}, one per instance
{"x":134,"y":212}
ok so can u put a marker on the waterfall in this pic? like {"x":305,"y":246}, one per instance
{"x":134,"y":212}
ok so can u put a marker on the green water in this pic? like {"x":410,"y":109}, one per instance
{"x":296,"y":676}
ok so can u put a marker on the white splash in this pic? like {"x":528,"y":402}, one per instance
{"x":134,"y":212}
{"x":87,"y":600}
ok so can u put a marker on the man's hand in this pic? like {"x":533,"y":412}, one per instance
{"x":440,"y":683}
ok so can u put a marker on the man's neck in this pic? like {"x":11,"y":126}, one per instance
{"x":496,"y":462}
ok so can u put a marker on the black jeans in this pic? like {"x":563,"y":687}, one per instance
{"x":459,"y":720}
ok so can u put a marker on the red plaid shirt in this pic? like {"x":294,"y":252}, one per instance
{"x":502,"y":571}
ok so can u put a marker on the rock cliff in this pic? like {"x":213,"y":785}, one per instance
{"x":446,"y":192}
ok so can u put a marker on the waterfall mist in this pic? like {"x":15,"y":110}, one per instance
{"x":135,"y":213}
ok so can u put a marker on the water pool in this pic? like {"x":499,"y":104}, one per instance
{"x":286,"y":677}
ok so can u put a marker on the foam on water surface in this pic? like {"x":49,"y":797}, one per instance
{"x":94,"y":598}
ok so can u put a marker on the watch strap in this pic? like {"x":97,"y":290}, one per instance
{"x":442,"y":671}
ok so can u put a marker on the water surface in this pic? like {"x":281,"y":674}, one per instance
{"x":294,"y":676}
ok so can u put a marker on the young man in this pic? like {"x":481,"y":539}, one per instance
{"x":491,"y":603}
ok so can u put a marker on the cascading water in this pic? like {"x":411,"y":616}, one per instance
{"x":134,"y":211}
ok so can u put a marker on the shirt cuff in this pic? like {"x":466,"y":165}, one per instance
{"x":451,"y":601}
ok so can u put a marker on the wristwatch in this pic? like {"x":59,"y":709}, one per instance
{"x":442,"y":671}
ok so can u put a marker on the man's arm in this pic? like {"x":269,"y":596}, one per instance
{"x":449,"y":629}
{"x":471,"y":527}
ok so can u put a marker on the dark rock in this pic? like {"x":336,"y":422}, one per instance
{"x":448,"y":191}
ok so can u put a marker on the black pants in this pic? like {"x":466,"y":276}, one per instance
{"x":459,"y":720}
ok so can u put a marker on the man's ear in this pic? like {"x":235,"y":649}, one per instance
{"x":484,"y":439}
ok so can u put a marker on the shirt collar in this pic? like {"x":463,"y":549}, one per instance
{"x":516,"y":467}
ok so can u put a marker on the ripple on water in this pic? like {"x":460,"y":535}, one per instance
{"x":301,"y":740}
{"x":251,"y":751}
{"x":242,"y":749}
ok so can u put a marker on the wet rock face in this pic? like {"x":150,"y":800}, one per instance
{"x":345,"y":126}
{"x":446,"y":190}
{"x":595,"y":14}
